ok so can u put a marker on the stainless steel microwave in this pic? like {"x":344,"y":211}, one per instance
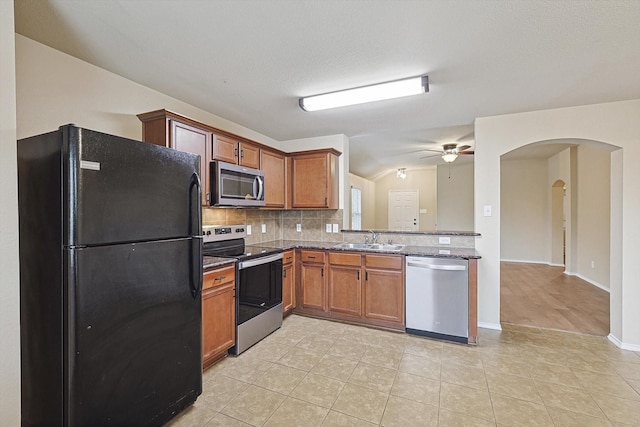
{"x":235,"y":185}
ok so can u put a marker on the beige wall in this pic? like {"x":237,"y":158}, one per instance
{"x":368,"y":189}
{"x":455,"y":197}
{"x":423,"y":180}
{"x":524,"y":208}
{"x":559,"y":169}
{"x":613,"y":123}
{"x":9,"y":273}
{"x":594,"y":178}
{"x":54,"y":89}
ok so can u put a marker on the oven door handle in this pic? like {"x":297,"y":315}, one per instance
{"x":259,"y":261}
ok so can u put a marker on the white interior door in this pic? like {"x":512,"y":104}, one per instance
{"x":403,"y":210}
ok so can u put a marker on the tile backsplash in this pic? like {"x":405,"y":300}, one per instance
{"x":282,"y":225}
{"x":279,"y":224}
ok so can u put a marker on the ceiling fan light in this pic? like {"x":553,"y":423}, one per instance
{"x":449,"y":156}
{"x":361,"y":95}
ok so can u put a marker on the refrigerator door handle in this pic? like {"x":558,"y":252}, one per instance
{"x":194,"y":182}
{"x":195,"y":254}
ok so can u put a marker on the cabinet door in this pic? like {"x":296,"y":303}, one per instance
{"x":345,"y":288}
{"x":274,"y":174}
{"x":197,"y":141}
{"x":249,"y":155}
{"x":310,"y":181}
{"x":313,"y":285}
{"x":384,"y":295}
{"x":225,"y":149}
{"x":218,"y":322}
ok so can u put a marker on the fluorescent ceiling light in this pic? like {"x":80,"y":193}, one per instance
{"x":360,"y":95}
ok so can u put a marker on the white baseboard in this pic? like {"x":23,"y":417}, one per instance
{"x":524,"y":261}
{"x":624,"y":346}
{"x":555,"y":265}
{"x":589,"y":281}
{"x":494,"y":326}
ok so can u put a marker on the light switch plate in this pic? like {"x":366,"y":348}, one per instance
{"x":328,"y":228}
{"x":264,"y":228}
{"x":298,"y":227}
{"x":444,"y":240}
{"x":423,"y":211}
{"x":248,"y":230}
{"x":487,"y":210}
{"x":335,"y":228}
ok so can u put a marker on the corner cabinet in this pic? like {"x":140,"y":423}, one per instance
{"x":314,"y":179}
{"x":218,"y":314}
{"x":274,"y":166}
{"x":170,"y":130}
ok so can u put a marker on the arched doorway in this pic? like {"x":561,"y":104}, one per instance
{"x":536,"y":290}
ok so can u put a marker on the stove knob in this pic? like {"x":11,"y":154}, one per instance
{"x":208,"y":232}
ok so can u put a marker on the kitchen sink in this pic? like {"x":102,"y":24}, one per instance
{"x":369,"y":246}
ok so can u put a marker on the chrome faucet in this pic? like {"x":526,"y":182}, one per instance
{"x":374,"y":236}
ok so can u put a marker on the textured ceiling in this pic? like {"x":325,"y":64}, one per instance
{"x":249,"y":61}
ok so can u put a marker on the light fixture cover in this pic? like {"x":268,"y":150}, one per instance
{"x":361,"y":95}
{"x":402,"y":173}
{"x":449,"y":155}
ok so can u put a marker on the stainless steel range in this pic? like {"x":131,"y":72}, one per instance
{"x":258,"y":282}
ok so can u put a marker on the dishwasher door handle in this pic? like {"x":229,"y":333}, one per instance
{"x":437,"y":266}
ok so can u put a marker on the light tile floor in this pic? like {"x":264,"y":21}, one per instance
{"x":315,"y":372}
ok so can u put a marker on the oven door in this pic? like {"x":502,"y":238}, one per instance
{"x":259,"y":286}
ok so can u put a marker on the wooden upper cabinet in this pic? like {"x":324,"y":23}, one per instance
{"x":273,"y":165}
{"x":162,"y":128}
{"x":314,"y":179}
{"x":229,"y":150}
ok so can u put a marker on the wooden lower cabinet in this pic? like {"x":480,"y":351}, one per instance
{"x":288,"y":282}
{"x":345,"y":286}
{"x":218,"y":314}
{"x":313,"y":283}
{"x":363,"y":288}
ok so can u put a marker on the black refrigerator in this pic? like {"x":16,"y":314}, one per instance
{"x":110,"y":280}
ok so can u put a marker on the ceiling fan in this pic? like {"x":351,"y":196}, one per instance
{"x":450,"y":152}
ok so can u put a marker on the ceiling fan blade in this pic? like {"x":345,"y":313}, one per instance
{"x":462,"y":148}
{"x":471,"y":152}
{"x":433,"y":155}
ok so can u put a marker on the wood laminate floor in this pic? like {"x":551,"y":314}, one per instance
{"x":543,"y":296}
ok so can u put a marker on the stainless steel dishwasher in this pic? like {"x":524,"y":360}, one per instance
{"x":437,"y":297}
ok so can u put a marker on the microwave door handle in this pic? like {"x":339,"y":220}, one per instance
{"x":258,"y":180}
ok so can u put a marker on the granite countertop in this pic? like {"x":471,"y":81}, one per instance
{"x":211,"y":262}
{"x":408,"y":250}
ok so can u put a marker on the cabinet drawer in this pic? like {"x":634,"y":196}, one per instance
{"x":393,"y":262}
{"x":287,"y":257}
{"x":218,"y":277}
{"x":312,"y":256}
{"x":341,"y":258}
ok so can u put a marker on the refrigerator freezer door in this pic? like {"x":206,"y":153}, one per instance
{"x":134,"y":346}
{"x":121,"y":190}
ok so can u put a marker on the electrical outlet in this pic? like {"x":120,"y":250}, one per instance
{"x":264,"y":228}
{"x":593,"y":264}
{"x":335,"y":228}
{"x":444,"y":240}
{"x":248,"y":230}
{"x":487,"y":210}
{"x":328,"y":228}
{"x":298,"y":227}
